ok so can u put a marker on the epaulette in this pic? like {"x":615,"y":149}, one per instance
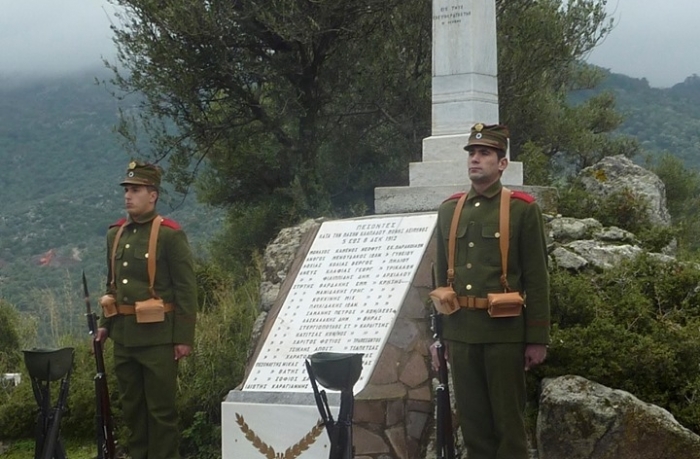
{"x":454,"y":196}
{"x":119,"y":222}
{"x":170,"y":223}
{"x":528,"y":198}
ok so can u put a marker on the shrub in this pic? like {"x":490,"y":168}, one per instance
{"x":221,"y":348}
{"x":635,"y":328}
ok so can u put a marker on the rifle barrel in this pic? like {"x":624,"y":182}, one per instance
{"x":105,"y":433}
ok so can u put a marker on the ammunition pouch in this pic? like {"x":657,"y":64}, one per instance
{"x":150,"y":311}
{"x":505,"y":304}
{"x":445,"y":300}
{"x":109,"y":306}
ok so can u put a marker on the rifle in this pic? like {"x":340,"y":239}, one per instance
{"x":52,"y":444}
{"x":103,"y":417}
{"x":444,"y":439}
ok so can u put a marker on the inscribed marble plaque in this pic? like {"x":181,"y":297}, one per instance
{"x":345,"y":297}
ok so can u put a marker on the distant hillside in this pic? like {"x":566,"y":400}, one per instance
{"x":662,"y":119}
{"x":61,"y":166}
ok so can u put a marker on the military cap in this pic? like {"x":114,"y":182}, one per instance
{"x":488,"y":135}
{"x":139,"y":173}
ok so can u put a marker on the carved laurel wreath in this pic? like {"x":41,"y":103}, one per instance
{"x":268,"y":451}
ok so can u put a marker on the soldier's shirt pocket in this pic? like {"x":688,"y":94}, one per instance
{"x":141,"y":252}
{"x":460,"y":243}
{"x":493,"y":231}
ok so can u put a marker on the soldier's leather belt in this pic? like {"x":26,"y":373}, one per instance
{"x":472,"y":302}
{"x":130,"y":309}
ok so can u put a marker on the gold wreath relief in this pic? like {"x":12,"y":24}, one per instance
{"x":266,"y":450}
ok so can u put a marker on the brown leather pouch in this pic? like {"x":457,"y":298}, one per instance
{"x":109,"y":306}
{"x":150,"y":311}
{"x":505,"y":304}
{"x":445,"y":300}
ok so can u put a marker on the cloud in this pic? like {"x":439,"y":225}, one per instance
{"x":652,"y":39}
{"x":49,"y":37}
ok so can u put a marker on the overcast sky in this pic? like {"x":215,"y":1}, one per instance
{"x":659,"y":40}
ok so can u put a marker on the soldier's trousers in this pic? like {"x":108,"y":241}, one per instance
{"x":147,"y":379}
{"x":489,"y":389}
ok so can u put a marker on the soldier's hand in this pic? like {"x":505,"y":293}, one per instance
{"x":101,"y":335}
{"x":434,"y":354}
{"x":534,"y":355}
{"x":182,"y":351}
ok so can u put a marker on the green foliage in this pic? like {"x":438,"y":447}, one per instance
{"x":623,"y":209}
{"x":75,"y":449}
{"x":9,"y":338}
{"x":217,"y":366}
{"x":683,"y":200}
{"x":537,"y":171}
{"x":18,"y":410}
{"x":244,"y":232}
{"x":203,"y":437}
{"x":635,"y":328}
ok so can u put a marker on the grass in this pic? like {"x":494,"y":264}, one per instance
{"x":23,"y":449}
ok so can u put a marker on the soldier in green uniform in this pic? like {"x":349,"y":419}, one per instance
{"x":147,"y":347}
{"x":489,"y":356}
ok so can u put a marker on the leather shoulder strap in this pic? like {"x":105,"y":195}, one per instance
{"x":453,"y":240}
{"x":152,"y":244}
{"x":504,"y":237}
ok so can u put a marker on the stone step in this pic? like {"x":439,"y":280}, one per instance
{"x":405,"y":199}
{"x":454,"y":172}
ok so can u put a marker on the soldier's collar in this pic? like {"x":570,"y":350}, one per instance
{"x":490,"y":192}
{"x":145,"y":218}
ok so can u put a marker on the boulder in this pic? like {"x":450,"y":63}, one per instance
{"x":617,"y":173}
{"x":581,"y":419}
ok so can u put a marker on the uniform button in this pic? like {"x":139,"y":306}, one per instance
{"x":469,"y":286}
{"x":125,"y":281}
{"x":477,"y":204}
{"x":127,"y":246}
{"x":126,"y":299}
{"x":126,"y":263}
{"x":146,"y":255}
{"x":471,"y":244}
{"x":497,"y":234}
{"x":469,"y":266}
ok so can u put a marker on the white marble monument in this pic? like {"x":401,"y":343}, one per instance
{"x":464,"y":92}
{"x":349,"y":295}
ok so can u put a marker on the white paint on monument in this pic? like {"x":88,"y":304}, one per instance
{"x":345,"y":298}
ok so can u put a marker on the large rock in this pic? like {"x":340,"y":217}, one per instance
{"x":580,"y":419}
{"x":617,"y":173}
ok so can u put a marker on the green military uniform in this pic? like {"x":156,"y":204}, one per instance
{"x":487,"y":354}
{"x":145,"y":366}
